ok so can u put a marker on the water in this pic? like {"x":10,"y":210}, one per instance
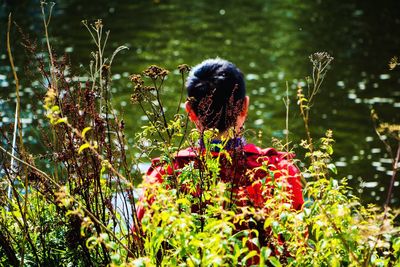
{"x":269,"y":40}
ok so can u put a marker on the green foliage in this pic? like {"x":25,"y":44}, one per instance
{"x":333,"y":229}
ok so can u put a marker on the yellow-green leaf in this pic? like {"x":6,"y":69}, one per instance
{"x":274,"y":261}
{"x":84,"y":131}
{"x":82,"y":147}
{"x":55,"y":109}
{"x":61,"y":120}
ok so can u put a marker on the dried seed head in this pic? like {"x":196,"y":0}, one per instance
{"x":136,"y":98}
{"x":183,"y":68}
{"x":322,"y":58}
{"x":136,"y":79}
{"x":149,"y":88}
{"x":98,"y":24}
{"x":155,"y":72}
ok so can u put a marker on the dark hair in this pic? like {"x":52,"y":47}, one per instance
{"x":216,"y":90}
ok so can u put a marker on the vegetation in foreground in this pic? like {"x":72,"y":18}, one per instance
{"x":82,"y":212}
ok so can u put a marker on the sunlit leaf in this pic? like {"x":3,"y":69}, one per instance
{"x":83,"y":147}
{"x":332,"y":167}
{"x":84,"y":131}
{"x":61,"y":120}
{"x":274,"y":261}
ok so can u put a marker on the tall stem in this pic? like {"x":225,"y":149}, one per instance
{"x":46,"y":23}
{"x":393,"y":178}
{"x":287,"y":106}
{"x":17,"y":112}
{"x":53,"y":78}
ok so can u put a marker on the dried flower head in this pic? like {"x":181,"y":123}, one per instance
{"x":183,"y":68}
{"x":320,"y":58}
{"x":148,"y":88}
{"x":155,"y":72}
{"x":136,"y":79}
{"x":98,"y":24}
{"x":142,"y":92}
{"x":136,"y":98}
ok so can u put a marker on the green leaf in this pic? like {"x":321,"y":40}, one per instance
{"x":264,"y":254}
{"x":332,"y":168}
{"x":55,"y":109}
{"x":274,"y":261}
{"x":91,"y":242}
{"x":396,"y":244}
{"x":116,"y":258}
{"x":249,"y":256}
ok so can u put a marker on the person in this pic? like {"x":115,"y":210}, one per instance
{"x":217,"y":100}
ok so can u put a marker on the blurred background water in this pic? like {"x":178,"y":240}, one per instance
{"x":269,"y":40}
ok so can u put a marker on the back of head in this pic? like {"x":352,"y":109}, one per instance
{"x":216,"y":91}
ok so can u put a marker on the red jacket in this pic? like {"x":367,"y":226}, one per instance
{"x":249,"y":191}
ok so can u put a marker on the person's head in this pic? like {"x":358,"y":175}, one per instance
{"x":216,"y":95}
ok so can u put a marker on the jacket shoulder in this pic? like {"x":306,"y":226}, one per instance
{"x":253,"y":149}
{"x":267,"y":152}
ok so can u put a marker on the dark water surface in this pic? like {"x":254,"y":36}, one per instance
{"x":270,"y":40}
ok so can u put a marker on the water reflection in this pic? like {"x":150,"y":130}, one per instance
{"x":268,"y":40}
